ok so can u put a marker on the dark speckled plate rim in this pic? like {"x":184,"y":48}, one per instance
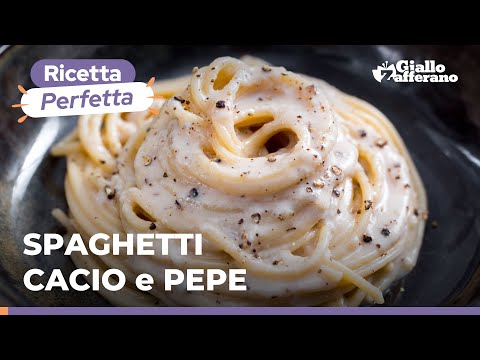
{"x":8,"y":294}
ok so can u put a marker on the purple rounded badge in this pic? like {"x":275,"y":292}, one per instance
{"x":67,"y":72}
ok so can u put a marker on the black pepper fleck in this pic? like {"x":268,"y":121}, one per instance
{"x":220,"y":104}
{"x":381,"y":143}
{"x":368,"y":204}
{"x":193,"y":193}
{"x":256,"y":218}
{"x":110,"y":192}
{"x":367,"y":238}
{"x":385,"y":232}
{"x":179,"y":206}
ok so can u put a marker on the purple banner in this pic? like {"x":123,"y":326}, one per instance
{"x":244,"y":311}
{"x":67,"y":72}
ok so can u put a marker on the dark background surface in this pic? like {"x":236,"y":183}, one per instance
{"x":440,"y":124}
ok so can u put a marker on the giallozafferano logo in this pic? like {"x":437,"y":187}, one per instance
{"x":409,"y":71}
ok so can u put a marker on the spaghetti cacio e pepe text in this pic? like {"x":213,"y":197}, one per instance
{"x":134,"y":245}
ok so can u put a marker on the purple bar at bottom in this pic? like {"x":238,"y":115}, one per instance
{"x":243,"y":311}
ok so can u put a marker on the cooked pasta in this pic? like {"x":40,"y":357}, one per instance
{"x":309,"y":189}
